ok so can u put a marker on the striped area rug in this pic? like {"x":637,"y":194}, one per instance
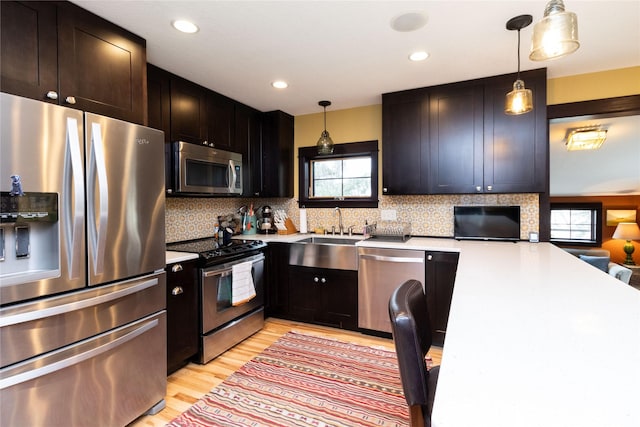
{"x":305,"y":380}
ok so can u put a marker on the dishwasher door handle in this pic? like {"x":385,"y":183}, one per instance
{"x":393,"y":259}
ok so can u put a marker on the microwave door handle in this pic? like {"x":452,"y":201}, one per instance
{"x":232,"y":175}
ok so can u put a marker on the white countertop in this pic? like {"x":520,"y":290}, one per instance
{"x":536,"y":337}
{"x":173,"y":256}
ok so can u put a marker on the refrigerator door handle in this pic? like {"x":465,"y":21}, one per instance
{"x":74,"y":360}
{"x":74,"y":206}
{"x":98,"y":227}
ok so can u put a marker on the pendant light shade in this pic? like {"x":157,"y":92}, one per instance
{"x":520,"y":99}
{"x":325,"y":143}
{"x":556,"y":34}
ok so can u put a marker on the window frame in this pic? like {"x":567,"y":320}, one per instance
{"x":595,"y":208}
{"x":351,"y":149}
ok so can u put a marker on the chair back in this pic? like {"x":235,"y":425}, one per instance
{"x":412,"y":338}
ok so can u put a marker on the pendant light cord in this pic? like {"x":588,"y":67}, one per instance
{"x":325,"y":119}
{"x":518,"y":77}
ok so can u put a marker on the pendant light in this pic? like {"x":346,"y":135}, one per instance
{"x":556,"y":34}
{"x":325,"y":143}
{"x":519,"y":100}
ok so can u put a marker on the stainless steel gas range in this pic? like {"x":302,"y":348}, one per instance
{"x":225,"y":271}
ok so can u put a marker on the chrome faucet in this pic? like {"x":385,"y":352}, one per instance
{"x":340,"y":226}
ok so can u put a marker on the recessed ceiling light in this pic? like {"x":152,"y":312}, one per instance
{"x":185,"y":26}
{"x":410,"y":21}
{"x":280,"y":84}
{"x":419,"y":56}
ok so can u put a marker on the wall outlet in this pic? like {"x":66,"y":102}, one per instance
{"x":388,"y":214}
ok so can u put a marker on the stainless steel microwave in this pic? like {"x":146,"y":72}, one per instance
{"x":205,"y":170}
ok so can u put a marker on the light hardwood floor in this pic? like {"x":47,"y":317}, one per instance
{"x":187,"y":385}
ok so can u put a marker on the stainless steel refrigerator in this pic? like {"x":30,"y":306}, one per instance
{"x":82,"y":255}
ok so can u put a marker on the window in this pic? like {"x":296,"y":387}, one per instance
{"x":346,"y":178}
{"x":576,"y":223}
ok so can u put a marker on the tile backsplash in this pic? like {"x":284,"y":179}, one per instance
{"x":192,"y":218}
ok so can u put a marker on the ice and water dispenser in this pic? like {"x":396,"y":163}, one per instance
{"x":29,"y":237}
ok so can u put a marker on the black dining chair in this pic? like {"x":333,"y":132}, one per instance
{"x":412,"y":338}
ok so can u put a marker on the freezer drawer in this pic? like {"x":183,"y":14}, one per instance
{"x":33,"y":328}
{"x":108,"y":380}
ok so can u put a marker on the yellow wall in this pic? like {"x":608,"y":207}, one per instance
{"x":584,"y":87}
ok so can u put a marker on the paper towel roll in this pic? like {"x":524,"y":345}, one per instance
{"x":303,"y":220}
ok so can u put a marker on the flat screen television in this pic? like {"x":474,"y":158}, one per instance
{"x":486,"y":222}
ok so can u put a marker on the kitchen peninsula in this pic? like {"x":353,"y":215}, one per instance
{"x":524,"y":325}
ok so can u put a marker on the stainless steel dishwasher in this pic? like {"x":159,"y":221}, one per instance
{"x":380,"y":272}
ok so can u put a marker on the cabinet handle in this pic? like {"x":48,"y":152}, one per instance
{"x":429,"y":257}
{"x":176,"y":268}
{"x":385,"y":190}
{"x":256,"y":193}
{"x":489,"y":187}
{"x":205,"y":142}
{"x":177,"y":290}
{"x":315,"y":279}
{"x":323,"y":280}
{"x":52,"y":94}
{"x":70,"y":100}
{"x":478,"y":188}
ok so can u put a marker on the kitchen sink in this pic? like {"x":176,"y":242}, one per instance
{"x":325,"y":252}
{"x":329,"y":240}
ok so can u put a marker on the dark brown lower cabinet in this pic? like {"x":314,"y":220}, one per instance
{"x":441,"y":270}
{"x":276,"y":279}
{"x":324,"y":296}
{"x":182,"y":314}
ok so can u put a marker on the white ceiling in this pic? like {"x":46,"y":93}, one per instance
{"x":346,"y":51}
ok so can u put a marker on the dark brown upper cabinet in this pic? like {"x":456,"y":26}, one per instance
{"x":188,"y":112}
{"x":276,"y":174}
{"x":405,"y":158}
{"x":516,"y":148}
{"x":456,"y":139}
{"x":220,"y":121}
{"x":29,"y":49}
{"x":60,"y":53}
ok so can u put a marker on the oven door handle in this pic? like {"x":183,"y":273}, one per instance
{"x":222,"y":272}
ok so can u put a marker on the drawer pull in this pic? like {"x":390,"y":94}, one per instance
{"x":176,"y":268}
{"x":52,"y":94}
{"x":177,"y":291}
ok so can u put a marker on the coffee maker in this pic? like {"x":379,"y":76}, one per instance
{"x":265,"y":223}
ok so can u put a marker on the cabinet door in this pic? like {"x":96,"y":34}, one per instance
{"x":29,"y":49}
{"x":338,"y":298}
{"x":405,"y":143}
{"x":182,"y":314}
{"x":188,"y":112}
{"x":102,"y":67}
{"x":277,"y":155}
{"x":248,"y":143}
{"x":303,"y":294}
{"x":456,"y":139}
{"x":277,"y":279}
{"x":440,"y":276}
{"x":220,"y":121}
{"x":516,"y":147}
{"x":159,"y":100}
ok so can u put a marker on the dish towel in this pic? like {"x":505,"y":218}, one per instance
{"x":242,"y":287}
